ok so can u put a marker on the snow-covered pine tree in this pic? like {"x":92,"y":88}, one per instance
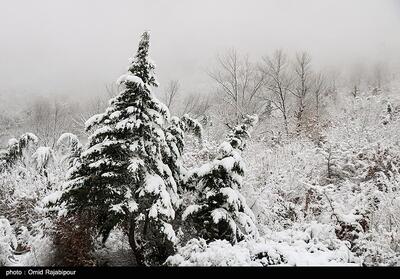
{"x":219,"y":210}
{"x":122,"y":176}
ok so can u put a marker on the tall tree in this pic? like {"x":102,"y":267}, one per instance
{"x":48,"y":120}
{"x":171,"y":92}
{"x":318,"y":89}
{"x":303,"y":79}
{"x":123,"y":176}
{"x":239,"y":83}
{"x":356,"y":76}
{"x":278,"y":84}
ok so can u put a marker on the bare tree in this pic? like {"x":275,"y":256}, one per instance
{"x":7,"y":124}
{"x":112,"y":90}
{"x":171,"y":93}
{"x":379,"y":76}
{"x":84,"y":111}
{"x":239,"y":82}
{"x":302,"y":83}
{"x":48,"y":120}
{"x":196,"y":105}
{"x":318,"y":88}
{"x":355,"y":77}
{"x":95,"y":105}
{"x":332,"y":78}
{"x":278,"y":83}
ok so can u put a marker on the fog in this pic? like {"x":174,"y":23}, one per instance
{"x":76,"y":47}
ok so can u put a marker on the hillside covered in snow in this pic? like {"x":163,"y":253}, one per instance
{"x":284,"y":166}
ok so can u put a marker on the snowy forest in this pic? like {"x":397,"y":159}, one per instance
{"x":281,"y":163}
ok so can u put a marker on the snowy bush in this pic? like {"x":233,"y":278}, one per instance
{"x":18,"y":150}
{"x":306,"y":244}
{"x":8,"y":242}
{"x":37,"y":244}
{"x":217,"y":253}
{"x":281,"y":183}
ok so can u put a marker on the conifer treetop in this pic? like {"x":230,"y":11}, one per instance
{"x":141,"y":65}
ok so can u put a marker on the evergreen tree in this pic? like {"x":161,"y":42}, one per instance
{"x":123,"y":175}
{"x":220,"y":211}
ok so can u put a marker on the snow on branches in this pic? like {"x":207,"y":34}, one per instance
{"x":15,"y":149}
{"x":126,"y":172}
{"x":220,"y":211}
{"x":8,"y":242}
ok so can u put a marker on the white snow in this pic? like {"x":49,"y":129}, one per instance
{"x":12,"y":141}
{"x":42,"y":156}
{"x":219,"y":214}
{"x":132,"y":206}
{"x":134,"y":165}
{"x":129,"y":78}
{"x":193,"y":208}
{"x":93,"y":120}
{"x":70,"y":138}
{"x":117,"y":208}
{"x":169,"y":232}
{"x":52,"y":198}
{"x":153,"y":184}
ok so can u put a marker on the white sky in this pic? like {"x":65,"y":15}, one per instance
{"x":78,"y":46}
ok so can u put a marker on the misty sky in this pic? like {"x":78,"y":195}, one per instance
{"x":78,"y":46}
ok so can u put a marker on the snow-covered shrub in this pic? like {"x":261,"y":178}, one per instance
{"x":17,"y":151}
{"x":23,"y":188}
{"x":281,"y":182}
{"x":311,"y":244}
{"x":197,"y":252}
{"x":39,"y":248}
{"x":8,"y":242}
{"x":217,"y":253}
{"x":305,"y":244}
{"x":193,"y":158}
{"x":375,"y":250}
{"x":42,"y":157}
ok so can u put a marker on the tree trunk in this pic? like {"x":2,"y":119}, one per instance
{"x":133,"y":243}
{"x":286,"y":124}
